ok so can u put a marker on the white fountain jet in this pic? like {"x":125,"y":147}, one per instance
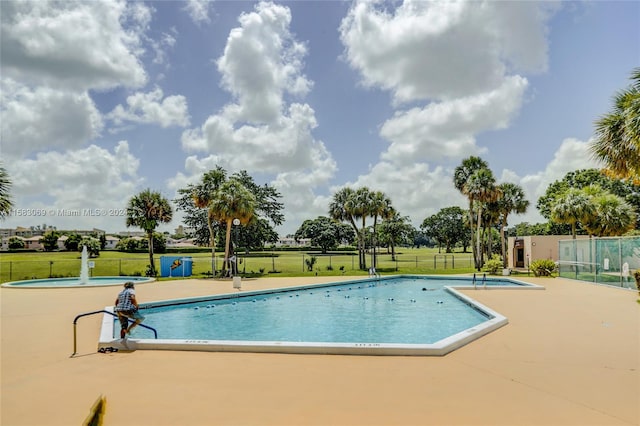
{"x":84,"y":266}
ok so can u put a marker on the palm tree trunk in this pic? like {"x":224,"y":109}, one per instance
{"x":364,"y":255}
{"x":502,"y":246}
{"x":227,"y":262}
{"x":212,"y":242}
{"x":362,"y":251}
{"x":373,"y":242}
{"x":355,"y":228}
{"x":478,"y":241}
{"x":151,"y":263}
{"x":473,"y":247}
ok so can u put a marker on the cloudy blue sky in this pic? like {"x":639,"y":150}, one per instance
{"x":102,"y":99}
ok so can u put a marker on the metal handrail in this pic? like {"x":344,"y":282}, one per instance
{"x":75,"y":320}
{"x":484,"y":281}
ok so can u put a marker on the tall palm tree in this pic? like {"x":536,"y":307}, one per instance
{"x":5,"y":193}
{"x":379,"y":206}
{"x":481,"y":188}
{"x":362,"y":209}
{"x":202,"y":195}
{"x":490,"y":218}
{"x":461,"y":176}
{"x":147,"y":210}
{"x":232,"y":201}
{"x":511,"y":200}
{"x":617,"y":134}
{"x":344,"y":208}
{"x":572,"y":207}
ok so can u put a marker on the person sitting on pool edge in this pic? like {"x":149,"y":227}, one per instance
{"x":126,"y":306}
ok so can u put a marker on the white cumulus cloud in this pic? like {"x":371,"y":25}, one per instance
{"x":459,"y":66}
{"x":447,"y":129}
{"x":75,"y":180}
{"x":263,"y":129}
{"x":152,"y":107}
{"x":76,"y":44}
{"x":442,"y":50}
{"x":44,"y":118}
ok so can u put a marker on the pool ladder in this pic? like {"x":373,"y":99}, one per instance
{"x":484,"y":281}
{"x":75,"y":320}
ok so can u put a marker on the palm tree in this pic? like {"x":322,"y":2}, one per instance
{"x":360,"y":205}
{"x":511,"y":200}
{"x":146,"y":210}
{"x":202,"y":195}
{"x":490,"y":218}
{"x":572,"y":207}
{"x":396,"y":229}
{"x":613,"y":216}
{"x":617,"y":134}
{"x":481,"y":188}
{"x":342,"y":209}
{"x":379,"y":206}
{"x":461,"y":176}
{"x":5,"y":195}
{"x":232,"y":201}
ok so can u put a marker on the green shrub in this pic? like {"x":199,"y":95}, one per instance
{"x":93,"y":246}
{"x":543,"y":267}
{"x":493,"y":265}
{"x":310,"y":262}
{"x":637,"y":277}
{"x":15,"y":243}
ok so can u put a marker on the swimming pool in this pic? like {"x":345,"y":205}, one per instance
{"x":408,"y":315}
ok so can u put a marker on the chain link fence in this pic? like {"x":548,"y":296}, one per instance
{"x":62,"y":268}
{"x":252,"y":264}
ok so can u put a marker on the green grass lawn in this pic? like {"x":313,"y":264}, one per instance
{"x":18,"y":266}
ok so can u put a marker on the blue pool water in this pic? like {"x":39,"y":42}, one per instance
{"x":403,"y":309}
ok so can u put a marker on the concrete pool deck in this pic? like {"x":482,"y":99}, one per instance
{"x":569,"y":356}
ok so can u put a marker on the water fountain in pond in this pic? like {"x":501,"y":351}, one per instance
{"x":84,"y":266}
{"x":82,"y":280}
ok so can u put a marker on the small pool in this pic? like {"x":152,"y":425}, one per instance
{"x":75,"y":282}
{"x":403,"y":315}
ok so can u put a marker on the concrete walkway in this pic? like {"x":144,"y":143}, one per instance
{"x":569,"y":356}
